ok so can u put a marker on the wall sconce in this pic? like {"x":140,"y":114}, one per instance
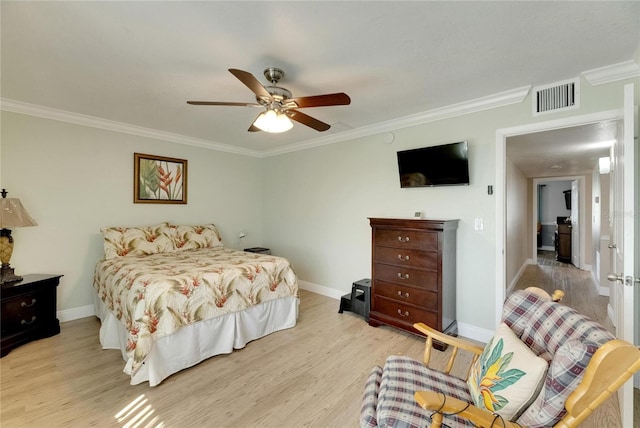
{"x":604,"y":165}
{"x":12,"y":214}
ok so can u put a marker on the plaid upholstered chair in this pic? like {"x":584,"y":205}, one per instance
{"x":546,"y":366}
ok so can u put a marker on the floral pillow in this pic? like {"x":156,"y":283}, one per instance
{"x":507,"y":377}
{"x":194,"y":237}
{"x":136,"y":241}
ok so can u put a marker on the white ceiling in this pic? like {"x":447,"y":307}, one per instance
{"x":562,"y":152}
{"x":138,"y":62}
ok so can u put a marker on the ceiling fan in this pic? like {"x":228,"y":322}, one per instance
{"x":279,"y":105}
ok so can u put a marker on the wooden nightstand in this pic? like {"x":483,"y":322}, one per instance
{"x":28,"y":310}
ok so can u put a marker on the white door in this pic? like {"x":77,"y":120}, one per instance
{"x":623,"y":181}
{"x":575,"y":224}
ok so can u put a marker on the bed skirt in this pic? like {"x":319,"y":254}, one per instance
{"x":196,"y":342}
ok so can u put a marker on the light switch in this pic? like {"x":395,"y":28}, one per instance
{"x":478,"y":224}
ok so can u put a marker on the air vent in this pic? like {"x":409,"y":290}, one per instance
{"x":556,"y":97}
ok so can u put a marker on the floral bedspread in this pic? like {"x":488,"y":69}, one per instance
{"x":155,"y":295}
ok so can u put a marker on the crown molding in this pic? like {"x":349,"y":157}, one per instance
{"x":612,"y":73}
{"x":110,"y":125}
{"x":479,"y":104}
{"x":513,"y":96}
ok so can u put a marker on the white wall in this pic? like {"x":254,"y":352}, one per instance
{"x":317,"y":214}
{"x":552,"y":201}
{"x":310,"y":206}
{"x":74,"y":180}
{"x":518,"y":223}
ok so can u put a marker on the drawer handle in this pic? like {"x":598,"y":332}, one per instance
{"x":401,"y":257}
{"x":401,"y":276}
{"x":28,"y":305}
{"x":405,"y":295}
{"x":25,"y":322}
{"x":405,"y":314}
{"x":405,"y":239}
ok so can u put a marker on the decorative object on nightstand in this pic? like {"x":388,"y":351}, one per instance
{"x":259,"y":250}
{"x":12,"y":214}
{"x":28,"y":310}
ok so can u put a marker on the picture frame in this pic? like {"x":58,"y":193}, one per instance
{"x":159,"y":179}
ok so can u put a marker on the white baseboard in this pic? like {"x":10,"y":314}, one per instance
{"x":476,"y":333}
{"x":76,"y":313}
{"x":324,"y":291}
{"x":611,"y":315}
{"x":516,"y":278}
{"x":602,"y":291}
{"x":547,"y":248}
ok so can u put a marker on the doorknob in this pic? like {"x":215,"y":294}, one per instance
{"x":612,"y":246}
{"x":627,"y":280}
{"x":615,"y":277}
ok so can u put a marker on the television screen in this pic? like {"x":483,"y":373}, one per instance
{"x":444,"y":165}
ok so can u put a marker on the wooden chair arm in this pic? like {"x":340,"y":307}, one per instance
{"x":440,"y":403}
{"x":455,"y":342}
{"x":449,"y":340}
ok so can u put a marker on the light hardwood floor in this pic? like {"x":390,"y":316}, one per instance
{"x":309,"y":376}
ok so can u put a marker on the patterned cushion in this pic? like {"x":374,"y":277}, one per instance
{"x":401,"y":378}
{"x":518,"y":309}
{"x":565,"y":373}
{"x":136,"y":241}
{"x":195,"y":237}
{"x":370,"y":399}
{"x":552,"y":324}
{"x":507,"y":377}
{"x":561,"y":336}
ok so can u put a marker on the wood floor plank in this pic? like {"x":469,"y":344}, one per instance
{"x":312,"y":375}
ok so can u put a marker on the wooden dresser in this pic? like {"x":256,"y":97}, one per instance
{"x":413,"y":265}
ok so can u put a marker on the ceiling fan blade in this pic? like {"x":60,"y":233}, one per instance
{"x":251,"y":82}
{"x":308,"y":120}
{"x":222,"y":103}
{"x":338,"y":99}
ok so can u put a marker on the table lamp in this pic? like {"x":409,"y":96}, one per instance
{"x":12,"y":214}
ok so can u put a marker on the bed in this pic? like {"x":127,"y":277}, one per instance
{"x":169,"y":297}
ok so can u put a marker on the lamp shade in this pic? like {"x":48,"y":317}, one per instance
{"x":13,"y":214}
{"x":273,"y":121}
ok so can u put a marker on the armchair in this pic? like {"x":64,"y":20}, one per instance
{"x":581,"y":364}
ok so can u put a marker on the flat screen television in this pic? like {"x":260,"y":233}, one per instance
{"x":443,"y":165}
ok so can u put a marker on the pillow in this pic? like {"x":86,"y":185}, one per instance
{"x":136,"y":241}
{"x":194,"y":237}
{"x":566,"y":371}
{"x":507,"y":377}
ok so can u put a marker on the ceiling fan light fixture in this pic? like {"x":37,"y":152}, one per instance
{"x":273,"y":121}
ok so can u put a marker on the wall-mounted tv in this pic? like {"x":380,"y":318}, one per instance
{"x":443,"y":165}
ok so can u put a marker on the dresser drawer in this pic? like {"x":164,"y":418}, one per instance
{"x":409,"y":239}
{"x":406,"y":276}
{"x":404,"y":257}
{"x":21,"y":313}
{"x":404,"y":294}
{"x":404,"y":313}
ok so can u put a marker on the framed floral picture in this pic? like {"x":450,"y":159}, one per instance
{"x":159,"y":180}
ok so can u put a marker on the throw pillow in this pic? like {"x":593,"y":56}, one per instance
{"x":507,"y":377}
{"x":136,"y":241}
{"x":195,"y":237}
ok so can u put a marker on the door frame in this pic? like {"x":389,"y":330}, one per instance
{"x":500,"y":188}
{"x":581,"y":211}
